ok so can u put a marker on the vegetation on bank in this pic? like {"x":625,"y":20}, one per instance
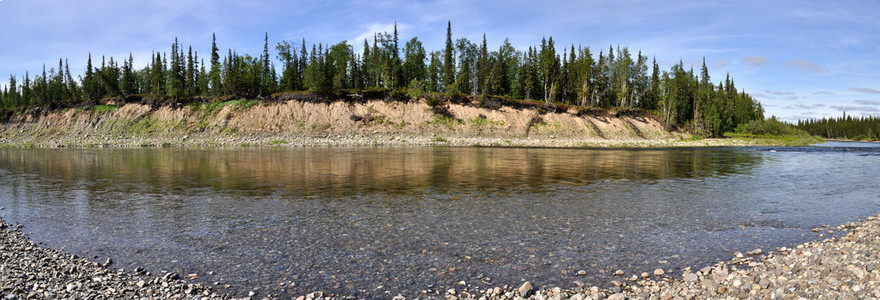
{"x":774,"y":132}
{"x":845,"y":127}
{"x":616,"y":79}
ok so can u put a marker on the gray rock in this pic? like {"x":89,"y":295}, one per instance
{"x":525,"y":289}
{"x":617,"y":296}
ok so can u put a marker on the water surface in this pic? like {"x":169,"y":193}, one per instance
{"x":374,"y":221}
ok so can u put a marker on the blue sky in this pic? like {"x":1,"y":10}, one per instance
{"x":800,"y":59}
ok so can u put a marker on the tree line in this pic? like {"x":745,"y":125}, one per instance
{"x":614,"y":78}
{"x":843,"y":127}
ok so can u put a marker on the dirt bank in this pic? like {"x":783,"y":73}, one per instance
{"x":340,"y":123}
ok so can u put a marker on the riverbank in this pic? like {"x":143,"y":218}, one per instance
{"x":373,"y":140}
{"x":843,"y":267}
{"x":293,"y":123}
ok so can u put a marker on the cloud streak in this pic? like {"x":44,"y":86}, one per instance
{"x":865,"y":90}
{"x":779,"y":93}
{"x":867,"y":102}
{"x":862,"y":108}
{"x":805,"y":66}
{"x":756,"y":61}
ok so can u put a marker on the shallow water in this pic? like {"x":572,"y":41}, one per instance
{"x":379,"y":221}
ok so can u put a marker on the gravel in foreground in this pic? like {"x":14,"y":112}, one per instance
{"x":845,"y":267}
{"x":28,"y":271}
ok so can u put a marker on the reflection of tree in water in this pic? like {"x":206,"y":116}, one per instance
{"x":341,"y":172}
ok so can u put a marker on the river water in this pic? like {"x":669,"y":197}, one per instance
{"x":376,"y":222}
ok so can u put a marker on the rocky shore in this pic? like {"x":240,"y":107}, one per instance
{"x":28,"y":271}
{"x":843,"y":267}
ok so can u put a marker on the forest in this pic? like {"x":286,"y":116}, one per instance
{"x":843,"y":127}
{"x":570,"y":75}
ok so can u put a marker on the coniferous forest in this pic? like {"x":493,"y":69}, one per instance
{"x":843,"y":127}
{"x":570,"y":75}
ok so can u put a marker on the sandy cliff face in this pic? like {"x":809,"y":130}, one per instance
{"x":306,"y":119}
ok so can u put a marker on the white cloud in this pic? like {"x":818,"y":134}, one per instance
{"x":373,"y":28}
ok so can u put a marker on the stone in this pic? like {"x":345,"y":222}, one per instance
{"x":690,"y":277}
{"x":581,"y":273}
{"x":618,"y":273}
{"x":658,"y":272}
{"x":71,"y":287}
{"x":645,"y":275}
{"x":737,"y":282}
{"x":617,"y":296}
{"x":525,"y":289}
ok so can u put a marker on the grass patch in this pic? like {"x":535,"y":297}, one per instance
{"x":440,"y":139}
{"x":97,"y":108}
{"x":278,"y":142}
{"x":550,"y":125}
{"x":214,"y":107}
{"x":143,"y":127}
{"x":692,"y":137}
{"x":440,"y":119}
{"x":487,"y":122}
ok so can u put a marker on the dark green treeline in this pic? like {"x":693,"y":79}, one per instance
{"x":572,"y":75}
{"x":843,"y":127}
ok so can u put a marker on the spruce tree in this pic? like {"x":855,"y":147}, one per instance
{"x":448,"y":58}
{"x":216,"y":84}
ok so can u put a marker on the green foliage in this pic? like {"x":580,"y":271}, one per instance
{"x":487,"y":122}
{"x":865,"y":128}
{"x":278,"y":142}
{"x":440,"y":139}
{"x":416,"y":89}
{"x":771,"y":126}
{"x":214,"y":107}
{"x":97,"y":108}
{"x":440,"y":119}
{"x":433,"y":100}
{"x":143,"y":127}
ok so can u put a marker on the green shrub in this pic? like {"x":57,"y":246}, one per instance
{"x":415,"y":90}
{"x":433,"y":100}
{"x":770,"y":126}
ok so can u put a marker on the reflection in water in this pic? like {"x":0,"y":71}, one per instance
{"x":351,"y":220}
{"x":342,"y":172}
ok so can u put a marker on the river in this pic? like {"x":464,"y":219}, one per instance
{"x":375,"y":222}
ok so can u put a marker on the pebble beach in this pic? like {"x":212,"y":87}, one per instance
{"x":841,"y":267}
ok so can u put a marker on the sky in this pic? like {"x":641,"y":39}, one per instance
{"x":800,"y":59}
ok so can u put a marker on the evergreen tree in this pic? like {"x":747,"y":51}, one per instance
{"x":216,"y":84}
{"x":448,"y":58}
{"x":190,"y":80}
{"x":128,"y":80}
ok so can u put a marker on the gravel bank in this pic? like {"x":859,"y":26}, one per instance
{"x":358,"y":140}
{"x":28,"y":271}
{"x":844,"y":267}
